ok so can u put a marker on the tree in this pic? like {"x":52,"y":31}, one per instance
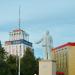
{"x":28,"y":63}
{"x":11,"y":61}
{"x":2,"y":54}
{"x":4,"y":69}
{"x":37,"y":66}
{"x":9,"y":65}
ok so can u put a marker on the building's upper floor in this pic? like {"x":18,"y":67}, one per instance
{"x":18,"y":34}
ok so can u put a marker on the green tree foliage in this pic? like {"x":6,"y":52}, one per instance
{"x":28,"y":63}
{"x":4,"y":69}
{"x":2,"y":54}
{"x":9,"y":65}
{"x":11,"y":61}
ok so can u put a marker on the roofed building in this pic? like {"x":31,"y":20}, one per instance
{"x":18,"y":42}
{"x":65,"y":58}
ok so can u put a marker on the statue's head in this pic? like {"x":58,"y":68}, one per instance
{"x":47,"y":32}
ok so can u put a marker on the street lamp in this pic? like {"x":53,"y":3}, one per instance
{"x":20,"y":44}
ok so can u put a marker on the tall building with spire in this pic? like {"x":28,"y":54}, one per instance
{"x":18,"y":42}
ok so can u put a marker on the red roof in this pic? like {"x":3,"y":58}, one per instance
{"x":67,"y":44}
{"x":17,"y":30}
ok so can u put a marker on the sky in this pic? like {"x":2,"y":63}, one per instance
{"x":38,"y":16}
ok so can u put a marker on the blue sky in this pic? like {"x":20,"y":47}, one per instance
{"x":37,"y":16}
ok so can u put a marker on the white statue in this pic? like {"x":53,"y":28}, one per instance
{"x":47,"y":44}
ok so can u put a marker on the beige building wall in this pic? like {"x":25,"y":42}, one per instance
{"x":47,"y":67}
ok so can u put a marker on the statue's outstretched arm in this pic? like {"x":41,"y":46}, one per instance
{"x":38,"y":42}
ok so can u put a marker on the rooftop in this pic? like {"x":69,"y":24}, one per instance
{"x":17,"y":30}
{"x":64,"y":45}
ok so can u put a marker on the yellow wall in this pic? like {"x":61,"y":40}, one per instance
{"x":65,"y":60}
{"x":61,"y":57}
{"x":71,"y":61}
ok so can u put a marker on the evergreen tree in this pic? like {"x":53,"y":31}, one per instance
{"x":11,"y":61}
{"x":4,"y":69}
{"x":9,"y":65}
{"x":2,"y":54}
{"x":28,"y":63}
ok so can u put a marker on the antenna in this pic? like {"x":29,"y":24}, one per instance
{"x":19,"y":16}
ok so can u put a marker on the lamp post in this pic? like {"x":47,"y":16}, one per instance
{"x":20,"y":44}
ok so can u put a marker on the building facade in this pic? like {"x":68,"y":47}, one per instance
{"x":65,"y":59}
{"x":18,"y":42}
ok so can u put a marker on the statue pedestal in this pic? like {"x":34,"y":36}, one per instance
{"x":47,"y":67}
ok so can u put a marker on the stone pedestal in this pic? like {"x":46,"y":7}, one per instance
{"x":47,"y":67}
